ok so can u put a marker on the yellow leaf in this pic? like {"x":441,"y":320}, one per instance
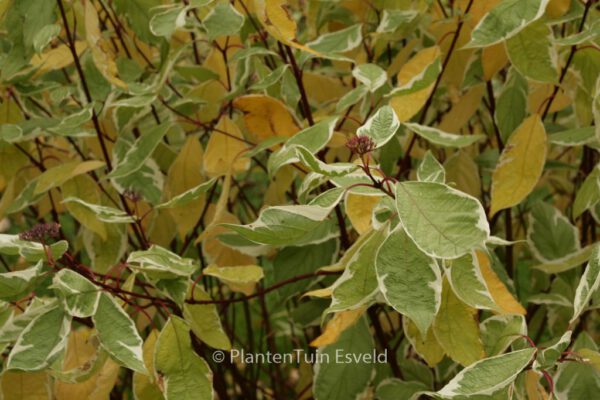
{"x":241,"y":278}
{"x":520,"y":165}
{"x":101,"y":54}
{"x":427,"y":347}
{"x":500,"y":294}
{"x":314,"y":84}
{"x":144,"y":386}
{"x":456,"y":329}
{"x":185,"y":174}
{"x":58,"y":175}
{"x":225,"y":149}
{"x":534,"y":390}
{"x":266,"y":117}
{"x":557,"y":8}
{"x":56,"y":58}
{"x":493,"y":59}
{"x":540,"y":93}
{"x":406,"y":106}
{"x":338,"y":324}
{"x":215,"y":251}
{"x":25,"y":386}
{"x":279,"y":22}
{"x":359,"y":209}
{"x":463,"y":173}
{"x":320,"y":293}
{"x":462,"y":110}
{"x":81,"y":350}
{"x":84,"y":187}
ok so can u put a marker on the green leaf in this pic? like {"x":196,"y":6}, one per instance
{"x":391,"y":20}
{"x":103,"y":213}
{"x":165,"y":23}
{"x":569,"y":262}
{"x":511,"y":106}
{"x":318,"y":166}
{"x":223,"y":20}
{"x":272,"y":78}
{"x":381,"y":127}
{"x":505,"y":20}
{"x":357,"y":286}
{"x":161,"y":263}
{"x":138,"y":153}
{"x":430,"y":169}
{"x":588,"y":194}
{"x":286,"y":225}
{"x":41,"y":342}
{"x":489,"y":375}
{"x":410,"y":280}
{"x":589,"y":283}
{"x":549,"y":356}
{"x":576,"y":380}
{"x":184,"y":374}
{"x":337,"y":42}
{"x":139,"y":14}
{"x":117,"y":334}
{"x":394,"y":389}
{"x":78,"y":295}
{"x":532,"y":52}
{"x":500,"y":331}
{"x":442,"y":221}
{"x":370,"y":75}
{"x":468,"y":283}
{"x":573,"y":137}
{"x":188,"y":196}
{"x":16,"y":284}
{"x":335,"y":380}
{"x":205,"y":322}
{"x":313,"y":138}
{"x":442,"y":138}
{"x":351,"y":98}
{"x":31,"y":251}
{"x":550,"y":234}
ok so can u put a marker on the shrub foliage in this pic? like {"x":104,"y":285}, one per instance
{"x":182,"y":181}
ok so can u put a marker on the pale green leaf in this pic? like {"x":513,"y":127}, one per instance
{"x":410,"y":280}
{"x":442,"y":138}
{"x":442,"y":221}
{"x":381,"y":127}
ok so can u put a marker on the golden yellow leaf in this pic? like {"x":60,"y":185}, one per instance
{"x":359,"y":209}
{"x":462,"y":110}
{"x":338,"y":324}
{"x":314,"y":84}
{"x":539,"y":95}
{"x":215,"y":251}
{"x":534,"y":390}
{"x":56,"y":58}
{"x":144,"y":386}
{"x":321,"y":293}
{"x":493,"y":59}
{"x":101,"y":53}
{"x":80,"y":350}
{"x":185,"y":173}
{"x":520,"y":165}
{"x":557,"y":8}
{"x":406,"y":106}
{"x":456,"y":329}
{"x":427,"y":347}
{"x":266,"y":117}
{"x":18,"y":385}
{"x":224,"y":150}
{"x":500,"y":294}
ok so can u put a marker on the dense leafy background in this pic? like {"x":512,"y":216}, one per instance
{"x":412,"y":176}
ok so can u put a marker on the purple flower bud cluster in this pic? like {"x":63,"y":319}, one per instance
{"x":360,"y":145}
{"x":41,"y":232}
